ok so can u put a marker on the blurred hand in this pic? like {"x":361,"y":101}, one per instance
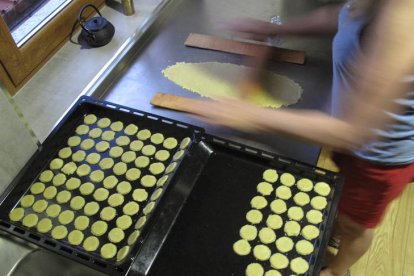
{"x":252,"y":28}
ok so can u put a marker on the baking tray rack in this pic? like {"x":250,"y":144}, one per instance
{"x":161,"y":220}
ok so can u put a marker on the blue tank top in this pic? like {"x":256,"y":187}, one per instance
{"x":395,"y":143}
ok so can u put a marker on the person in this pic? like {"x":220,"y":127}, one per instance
{"x":372,"y":130}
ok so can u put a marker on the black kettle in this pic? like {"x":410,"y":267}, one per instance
{"x":96,"y":31}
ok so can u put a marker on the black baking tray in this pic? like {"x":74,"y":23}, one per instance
{"x":200,"y":242}
{"x":48,"y":151}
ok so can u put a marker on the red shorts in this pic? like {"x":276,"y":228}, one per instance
{"x":369,"y":188}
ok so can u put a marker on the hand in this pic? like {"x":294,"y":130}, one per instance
{"x":254,"y":29}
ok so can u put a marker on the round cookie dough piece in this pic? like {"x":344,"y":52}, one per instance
{"x":278,"y":206}
{"x":97,"y":176}
{"x":136,"y":145}
{"x":79,"y":156}
{"x":93,"y":158}
{"x":59,"y":232}
{"x":141,"y":222}
{"x":124,"y":222}
{"x":258,"y":202}
{"x":274,"y":222}
{"x":87,"y":144}
{"x":108,"y":135}
{"x":131,"y":129}
{"x":265,"y":188}
{"x":44,"y":225}
{"x":77,"y":203}
{"x":178,"y":155}
{"x":299,"y":265}
{"x":140,"y":195}
{"x":156,"y":168}
{"x":254,"y":216}
{"x":53,"y":210}
{"x":63,"y":197}
{"x":267,"y":235}
{"x":314,"y":216}
{"x":110,"y":182}
{"x":37,"y":188}
{"x":56,"y":164}
{"x":91,"y":208}
{"x":27,"y":201}
{"x":101,"y":194}
{"x":162,"y":155}
{"x":16,"y":214}
{"x":95,"y":133}
{"x":83,"y":170}
{"x":91,"y":243}
{"x":102,"y":146}
{"x":248,"y":232}
{"x":74,"y":141}
{"x":75,"y":237}
{"x":262,"y":252}
{"x":170,"y":143}
{"x":284,"y":244}
{"x":305,"y":185}
{"x":157,"y":138}
{"x":90,"y":119}
{"x":272,"y":272}
{"x":122,"y":141}
{"x":148,"y":181}
{"x":304,"y":247}
{"x":131,"y":208}
{"x":65,"y":153}
{"x":128,"y":156}
{"x":40,"y":206}
{"x":120,"y":168}
{"x":301,"y":199}
{"x":279,"y":261}
{"x":310,"y":232}
{"x":148,"y":150}
{"x":116,"y":235}
{"x":30,"y":220}
{"x":144,"y":134}
{"x":81,"y":223}
{"x":185,"y":142}
{"x":322,"y":188}
{"x":46,"y":176}
{"x":117,"y":126}
{"x":242,"y":247}
{"x":292,"y":228}
{"x":86,"y":188}
{"x":283,"y":192}
{"x":73,"y":183}
{"x":122,"y":253}
{"x":270,"y":175}
{"x":66,"y":217}
{"x":319,"y":202}
{"x":254,"y":269}
{"x":99,"y":228}
{"x":124,"y":188}
{"x":69,"y":168}
{"x":142,"y":162}
{"x":133,"y":174}
{"x":132,"y":239}
{"x":116,"y":152}
{"x":161,"y":182}
{"x":295,"y":213}
{"x":108,"y":251}
{"x":59,"y":179}
{"x":104,"y":122}
{"x":171,"y":167}
{"x":108,"y":213}
{"x":287,"y":179}
{"x":115,"y":200}
{"x":148,"y":208}
{"x":155,"y":195}
{"x":50,"y":192}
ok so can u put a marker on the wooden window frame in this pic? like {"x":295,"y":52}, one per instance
{"x":18,"y":64}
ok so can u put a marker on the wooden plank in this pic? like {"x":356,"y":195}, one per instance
{"x":177,"y":103}
{"x":243,"y":48}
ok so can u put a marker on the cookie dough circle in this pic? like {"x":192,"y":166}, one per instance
{"x":128,"y":156}
{"x":314,"y":216}
{"x":101,"y":194}
{"x":148,"y":150}
{"x":142,"y":162}
{"x":171,"y":167}
{"x":30,"y":220}
{"x":141,"y":222}
{"x":157,"y":138}
{"x":155,"y":195}
{"x":86,"y":188}
{"x":40,"y":206}
{"x":117,"y":126}
{"x":299,"y":265}
{"x":319,"y":202}
{"x":262,"y":252}
{"x":81,"y":223}
{"x":136,"y":145}
{"x":254,"y":269}
{"x":65,"y":153}
{"x":148,"y":181}
{"x":73,"y":183}
{"x":122,"y":141}
{"x":287,"y":179}
{"x":270,"y":175}
{"x":124,"y":188}
{"x":278,"y":206}
{"x":59,"y":179}
{"x":123,"y":253}
{"x":79,"y":156}
{"x":120,"y":168}
{"x":108,"y":251}
{"x":95,"y":133}
{"x":283,"y":192}
{"x":75,"y":237}
{"x":124,"y":222}
{"x":144,"y":134}
{"x":69,"y":168}
{"x":77,"y":203}
{"x":110,"y":182}
{"x":295,"y":213}
{"x":44,"y":225}
{"x":63,"y":197}
{"x":305,"y":185}
{"x":242,"y":247}
{"x":97,"y":176}
{"x":16,"y":214}
{"x":59,"y":232}
{"x":131,"y":129}
{"x":148,"y":209}
{"x":267,"y":235}
{"x":140,"y":195}
{"x":322,"y":188}
{"x":185,"y":142}
{"x":56,"y":164}
{"x":99,"y":228}
{"x":272,"y":272}
{"x":310,"y":232}
{"x":248,"y":232}
{"x":53,"y":210}
{"x":66,"y":217}
{"x":91,"y":208}
{"x":116,"y":235}
{"x":90,"y":119}
{"x":258,"y":202}
{"x":132,"y":239}
{"x":93,"y":158}
{"x":301,"y":199}
{"x":27,"y":201}
{"x":304,"y":247}
{"x":108,"y":135}
{"x":133,"y":174}
{"x":178,"y":155}
{"x":279,"y":261}
{"x":162,"y":155}
{"x":102,"y":146}
{"x":116,"y":152}
{"x":46,"y":176}
{"x":284,"y":244}
{"x":156,"y":168}
{"x":274,"y":222}
{"x":37,"y":188}
{"x":115,"y":200}
{"x":104,"y":122}
{"x":74,"y":141}
{"x":131,"y":208}
{"x":108,"y":213}
{"x":254,"y":216}
{"x":161,"y":182}
{"x":292,"y":228}
{"x":91,"y":243}
{"x":87,"y":144}
{"x":264,"y":188}
{"x":83,"y":170}
{"x":170,"y":143}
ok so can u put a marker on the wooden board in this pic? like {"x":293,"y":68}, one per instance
{"x":243,"y":48}
{"x":176,"y":102}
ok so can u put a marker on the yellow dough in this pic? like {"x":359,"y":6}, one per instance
{"x":274,"y":222}
{"x":93,"y":158}
{"x":272,"y":272}
{"x":74,"y":141}
{"x":278,"y":206}
{"x":322,"y":188}
{"x":16,"y":214}
{"x":248,"y":232}
{"x":108,"y":213}
{"x":87,"y":188}
{"x":116,"y":235}
{"x":170,"y":143}
{"x":77,"y":203}
{"x":155,"y":195}
{"x":104,"y":122}
{"x":69,"y":168}
{"x":132,"y":239}
{"x":141,"y":222}
{"x":131,"y":208}
{"x":299,"y":265}
{"x":142,"y":162}
{"x":65,"y":153}
{"x":265,"y":188}
{"x":162,"y":155}
{"x":310,"y":232}
{"x":108,"y":251}
{"x":59,"y":232}
{"x":30,"y":220}
{"x":37,"y":188}
{"x":117,"y":126}
{"x":131,"y":129}
{"x":254,"y":269}
{"x":284,"y":244}
{"x":120,"y":168}
{"x":314,"y":216}
{"x":136,"y":145}
{"x":295,"y":213}
{"x":279,"y":261}
{"x":99,"y":228}
{"x":305,"y":185}
{"x":241,"y":247}
{"x":144,"y":134}
{"x":157,"y":138}
{"x":270,"y":175}
{"x":108,"y":135}
{"x":46,"y":176}
{"x":116,"y":152}
{"x":156,"y":168}
{"x":63,"y":197}
{"x":79,"y":156}
{"x":101,"y":194}
{"x":53,"y":210}
{"x":115,"y":200}
{"x":161,"y":182}
{"x":27,"y":201}
{"x":124,"y":188}
{"x":110,"y":182}
{"x":81,"y":223}
{"x":97,"y":176}
{"x":59,"y":179}
{"x":283,"y":192}
{"x":73,"y":183}
{"x":287,"y":179}
{"x":185,"y":142}
{"x":40,"y":206}
{"x":83,"y":170}
{"x":87,"y":144}
{"x":258,"y":202}
{"x":91,"y":243}
{"x":140,"y":195}
{"x":254,"y":216}
{"x":148,"y":209}
{"x":75,"y":237}
{"x":82,"y":129}
{"x":171,"y":167}
{"x":304,"y":247}
{"x":56,"y":164}
{"x":95,"y":133}
{"x":44,"y":225}
{"x":319,"y":202}
{"x":122,"y":141}
{"x":124,"y":222}
{"x":102,"y":146}
{"x":148,"y":150}
{"x":301,"y":199}
{"x":178,"y":155}
{"x":262,"y":252}
{"x":90,"y":119}
{"x":66,"y":217}
{"x":91,"y":208}
{"x":267,"y":235}
{"x":128,"y":156}
{"x":133,"y":174}
{"x":123,"y":253}
{"x":148,"y":181}
{"x":292,"y":228}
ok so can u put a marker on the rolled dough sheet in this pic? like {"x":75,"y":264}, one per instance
{"x":217,"y":80}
